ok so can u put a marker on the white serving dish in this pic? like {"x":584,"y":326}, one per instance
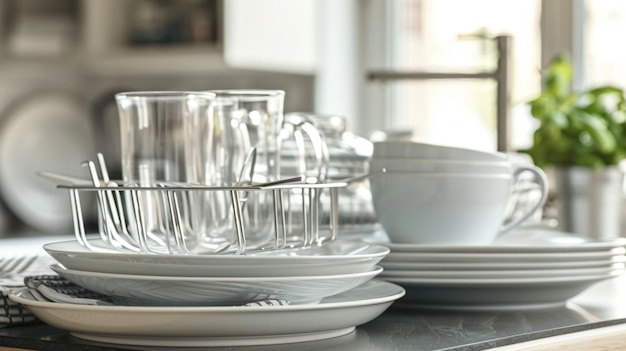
{"x":218,"y":326}
{"x":198,"y":291}
{"x":338,"y":257}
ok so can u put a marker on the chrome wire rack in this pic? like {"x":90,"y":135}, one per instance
{"x":180,"y":218}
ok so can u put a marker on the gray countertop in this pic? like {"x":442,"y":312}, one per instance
{"x":406,"y":328}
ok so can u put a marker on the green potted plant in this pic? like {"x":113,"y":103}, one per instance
{"x":581,"y":140}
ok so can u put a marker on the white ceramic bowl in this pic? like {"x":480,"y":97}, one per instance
{"x":437,"y":166}
{"x":444,"y":208}
{"x":408,"y":149}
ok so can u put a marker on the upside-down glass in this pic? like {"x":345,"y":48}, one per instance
{"x":169,"y":137}
{"x":256,"y":118}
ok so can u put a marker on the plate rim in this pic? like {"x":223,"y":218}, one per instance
{"x":507,"y":248}
{"x":381,"y":251}
{"x":394,"y":292}
{"x":58,"y":268}
{"x":294,"y":319}
{"x":502,"y":282}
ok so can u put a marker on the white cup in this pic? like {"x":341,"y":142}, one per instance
{"x":448,"y":208}
{"x":408,"y":149}
{"x":439,"y":166}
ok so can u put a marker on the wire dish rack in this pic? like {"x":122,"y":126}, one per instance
{"x":181,"y":218}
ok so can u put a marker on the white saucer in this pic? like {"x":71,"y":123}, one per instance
{"x":494,"y":294}
{"x":499,"y":274}
{"x":218,"y":326}
{"x":202,"y":291}
{"x":524,"y":265}
{"x":511,"y":247}
{"x":338,"y":257}
{"x":476,"y":257}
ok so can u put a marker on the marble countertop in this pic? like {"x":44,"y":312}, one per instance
{"x":408,"y":329}
{"x":405,"y":328}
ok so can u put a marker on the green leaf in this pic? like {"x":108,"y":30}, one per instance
{"x":560,"y":119}
{"x":559,"y":77}
{"x":542,"y":106}
{"x":606,"y":90}
{"x":600,"y":135}
{"x":583,"y":128}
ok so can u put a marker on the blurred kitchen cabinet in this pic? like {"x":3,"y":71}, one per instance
{"x":113,"y":36}
{"x":274,"y":35}
{"x":121,"y":37}
{"x":35,"y":28}
{"x":152,"y":36}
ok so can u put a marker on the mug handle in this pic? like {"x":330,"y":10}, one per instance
{"x":542,"y":181}
{"x":302,"y":126}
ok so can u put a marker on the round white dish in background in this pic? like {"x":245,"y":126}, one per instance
{"x":48,"y":131}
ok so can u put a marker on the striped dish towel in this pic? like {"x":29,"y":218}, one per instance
{"x":54,"y":288}
{"x":13,"y":313}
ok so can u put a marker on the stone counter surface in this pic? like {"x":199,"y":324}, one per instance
{"x":406,"y":328}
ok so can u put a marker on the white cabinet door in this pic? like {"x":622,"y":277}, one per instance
{"x":274,"y":35}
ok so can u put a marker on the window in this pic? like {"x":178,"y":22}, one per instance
{"x":604,"y":54}
{"x":453,"y":36}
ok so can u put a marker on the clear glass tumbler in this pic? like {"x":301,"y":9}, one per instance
{"x":256,"y":118}
{"x":170,"y":138}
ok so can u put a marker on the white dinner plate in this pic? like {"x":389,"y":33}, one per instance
{"x":49,"y":130}
{"x":218,"y":326}
{"x":521,"y":273}
{"x":513,"y":247}
{"x":337,"y":257}
{"x":493,"y":294}
{"x":524,"y":265}
{"x":186,"y":291}
{"x":504,"y":257}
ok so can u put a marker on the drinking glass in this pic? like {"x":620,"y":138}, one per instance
{"x":257,"y":116}
{"x":174,"y":137}
{"x":255,"y":120}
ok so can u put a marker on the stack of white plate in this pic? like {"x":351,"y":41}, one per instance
{"x":500,"y":276}
{"x":298,"y":275}
{"x":317,"y":281}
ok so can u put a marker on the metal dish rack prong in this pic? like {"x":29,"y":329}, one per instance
{"x":127,"y":212}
